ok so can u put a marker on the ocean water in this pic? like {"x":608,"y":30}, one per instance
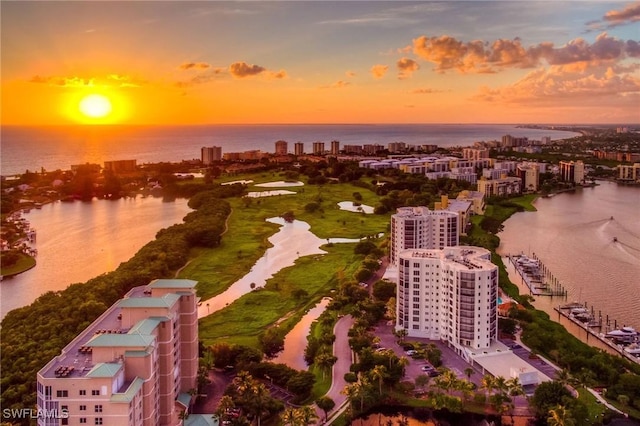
{"x":58,"y":147}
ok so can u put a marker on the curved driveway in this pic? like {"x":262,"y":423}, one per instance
{"x":342,"y":351}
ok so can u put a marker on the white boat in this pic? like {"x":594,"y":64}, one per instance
{"x":633,"y":350}
{"x":625,"y":334}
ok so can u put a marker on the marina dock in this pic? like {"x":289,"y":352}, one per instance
{"x":585,"y":318}
{"x":536,"y":276}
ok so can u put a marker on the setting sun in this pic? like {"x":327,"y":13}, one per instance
{"x":95,"y":106}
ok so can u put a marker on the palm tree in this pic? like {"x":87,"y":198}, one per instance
{"x":243,"y":382}
{"x":326,"y":404}
{"x":488,"y":383}
{"x":226,"y":403}
{"x":466,"y":387}
{"x":325,"y":361}
{"x":288,"y":417}
{"x":357,"y":391}
{"x":307,"y":415}
{"x":564,"y":376}
{"x":560,"y":416}
{"x":379,"y":372}
{"x":446,"y":381}
{"x":468,"y":372}
{"x":403,"y":361}
{"x":259,"y":398}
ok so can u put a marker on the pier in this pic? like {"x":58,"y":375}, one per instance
{"x":585,"y":318}
{"x":537,"y":276}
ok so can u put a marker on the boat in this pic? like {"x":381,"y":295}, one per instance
{"x":633,"y":350}
{"x":572,"y":305}
{"x":624,"y":334}
{"x":579,"y":311}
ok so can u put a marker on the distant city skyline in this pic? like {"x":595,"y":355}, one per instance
{"x":211,"y":62}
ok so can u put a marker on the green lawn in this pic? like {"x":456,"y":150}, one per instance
{"x":23,"y":264}
{"x":242,"y":321}
{"x":247,"y":237}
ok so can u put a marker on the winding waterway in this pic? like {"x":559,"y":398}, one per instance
{"x":293,"y":239}
{"x":80,"y":240}
{"x":292,"y":355}
{"x":573,"y":235}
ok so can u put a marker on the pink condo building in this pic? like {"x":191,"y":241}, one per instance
{"x":134,"y":365}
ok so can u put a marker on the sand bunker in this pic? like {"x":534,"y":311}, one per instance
{"x":270,"y":193}
{"x":348,"y":205}
{"x":279,"y":184}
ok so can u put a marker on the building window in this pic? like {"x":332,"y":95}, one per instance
{"x":83,"y":392}
{"x":98,"y":420}
{"x":83,"y":420}
{"x":62,"y":394}
{"x":98,"y":409}
{"x":95,"y":392}
{"x":83,"y":408}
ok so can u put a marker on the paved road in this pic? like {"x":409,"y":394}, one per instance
{"x":342,"y":351}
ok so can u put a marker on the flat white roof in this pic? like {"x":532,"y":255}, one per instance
{"x":501,"y":364}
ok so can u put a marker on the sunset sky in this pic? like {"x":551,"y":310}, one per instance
{"x":169,"y":62}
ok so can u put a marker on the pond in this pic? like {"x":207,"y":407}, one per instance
{"x":296,"y":340}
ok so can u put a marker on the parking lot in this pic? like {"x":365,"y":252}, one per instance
{"x":450,"y":359}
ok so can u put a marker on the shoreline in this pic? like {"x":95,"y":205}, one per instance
{"x":540,"y":301}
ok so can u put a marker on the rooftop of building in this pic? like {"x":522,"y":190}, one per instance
{"x":469,"y":257}
{"x":76,"y":359}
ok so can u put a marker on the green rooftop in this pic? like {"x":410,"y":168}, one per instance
{"x":172,"y":283}
{"x":146,"y":326}
{"x":104,"y":369}
{"x":132,"y":390}
{"x":165,"y":301}
{"x":116,"y":340}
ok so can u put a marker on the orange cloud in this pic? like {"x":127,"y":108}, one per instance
{"x":111,"y":80}
{"x":558,"y":86}
{"x":406,"y":67}
{"x":378,"y":71}
{"x":242,"y":69}
{"x":194,"y":65}
{"x":202,"y":78}
{"x":631,"y":13}
{"x":476,"y":56}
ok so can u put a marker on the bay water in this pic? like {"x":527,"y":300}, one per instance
{"x":590,"y":241}
{"x":78,"y":241}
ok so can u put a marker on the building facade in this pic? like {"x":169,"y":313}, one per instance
{"x":502,"y":187}
{"x":529,"y":177}
{"x":449,"y":295}
{"x":421,"y":228}
{"x":134,"y":365}
{"x":571,"y":171}
{"x":298,"y":148}
{"x":210,"y":154}
{"x":281,"y":147}
{"x":335,"y":147}
{"x":120,"y":166}
{"x":318,"y":148}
